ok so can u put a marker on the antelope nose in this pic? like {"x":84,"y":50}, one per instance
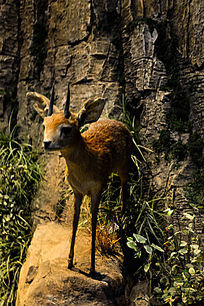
{"x":47,"y":144}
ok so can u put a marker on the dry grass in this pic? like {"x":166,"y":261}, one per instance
{"x":85,"y":214}
{"x":107,"y":238}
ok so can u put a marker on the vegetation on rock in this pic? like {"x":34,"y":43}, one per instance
{"x":169,"y":259}
{"x":19,"y":177}
{"x":180,"y":274}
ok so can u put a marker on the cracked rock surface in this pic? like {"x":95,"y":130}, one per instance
{"x":151,"y":51}
{"x":45,"y":279}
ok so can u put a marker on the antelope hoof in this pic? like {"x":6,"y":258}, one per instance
{"x":96,"y":275}
{"x":92,"y":273}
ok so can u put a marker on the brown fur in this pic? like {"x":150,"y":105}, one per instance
{"x":105,"y":147}
{"x":90,"y":157}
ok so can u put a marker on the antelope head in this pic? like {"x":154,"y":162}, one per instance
{"x":61,"y":129}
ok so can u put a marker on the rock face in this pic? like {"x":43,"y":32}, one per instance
{"x":164,"y":77}
{"x":45,"y":279}
{"x":150,"y":51}
{"x":9,"y":59}
{"x":68,"y":42}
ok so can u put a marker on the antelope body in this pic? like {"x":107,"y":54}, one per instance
{"x":90,"y":156}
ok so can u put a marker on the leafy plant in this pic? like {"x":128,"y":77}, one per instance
{"x":19,"y":177}
{"x":144,"y":234}
{"x":181,"y":272}
{"x":175,"y":270}
{"x":140,"y":244}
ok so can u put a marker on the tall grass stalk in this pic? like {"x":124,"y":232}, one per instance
{"x":19,"y":177}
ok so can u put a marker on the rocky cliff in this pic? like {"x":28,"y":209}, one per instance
{"x":150,"y":51}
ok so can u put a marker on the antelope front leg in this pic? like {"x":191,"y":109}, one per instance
{"x":77,"y":203}
{"x":95,"y":200}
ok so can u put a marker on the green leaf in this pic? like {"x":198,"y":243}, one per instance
{"x":173,"y":254}
{"x":178,"y":284}
{"x":148,"y":249}
{"x":156,"y":247}
{"x":146,"y":267}
{"x":157,"y":290}
{"x":189,"y":266}
{"x":197,"y":252}
{"x":172,"y":290}
{"x":183,"y":251}
{"x":188,"y":216}
{"x":132,"y":245}
{"x":139,"y":238}
{"x":185,"y":276}
{"x":174,"y":267}
{"x":184,"y":299}
{"x":183,"y":243}
{"x":195,"y":246}
{"x":138,"y":254}
{"x":169,"y":211}
{"x":191,"y":271}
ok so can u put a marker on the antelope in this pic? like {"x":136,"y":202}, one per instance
{"x":90,"y":156}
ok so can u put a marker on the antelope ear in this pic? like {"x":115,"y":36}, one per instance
{"x":42,"y":104}
{"x":90,"y":111}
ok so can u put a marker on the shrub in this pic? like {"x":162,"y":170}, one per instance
{"x":181,"y":272}
{"x":175,"y":270}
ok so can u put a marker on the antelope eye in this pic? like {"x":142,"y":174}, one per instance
{"x":66,"y":130}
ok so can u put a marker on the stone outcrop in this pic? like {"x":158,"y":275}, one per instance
{"x":45,"y":279}
{"x":150,"y":51}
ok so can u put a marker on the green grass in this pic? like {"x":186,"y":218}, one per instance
{"x":19,"y":178}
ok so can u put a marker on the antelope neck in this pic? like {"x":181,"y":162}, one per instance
{"x":78,"y":153}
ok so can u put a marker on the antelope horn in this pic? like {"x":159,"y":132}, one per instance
{"x":50,"y":110}
{"x":66,"y":108}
